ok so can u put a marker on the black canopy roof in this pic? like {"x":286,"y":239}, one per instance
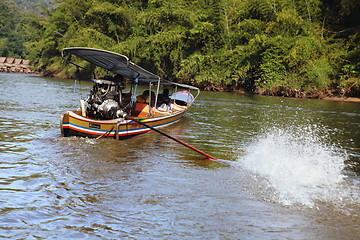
{"x":119,"y":64}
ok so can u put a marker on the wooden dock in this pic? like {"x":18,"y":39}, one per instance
{"x":8,"y":64}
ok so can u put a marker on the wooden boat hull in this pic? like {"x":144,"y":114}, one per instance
{"x":73,"y":124}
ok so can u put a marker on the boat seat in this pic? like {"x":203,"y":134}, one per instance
{"x":142,"y":109}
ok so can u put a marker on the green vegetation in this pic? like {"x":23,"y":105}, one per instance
{"x":278,"y":47}
{"x":18,"y":29}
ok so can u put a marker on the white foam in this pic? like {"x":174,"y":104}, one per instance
{"x":298,"y":164}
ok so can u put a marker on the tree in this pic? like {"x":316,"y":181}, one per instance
{"x":259,"y":45}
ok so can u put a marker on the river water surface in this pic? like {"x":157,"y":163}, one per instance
{"x":289,"y":169}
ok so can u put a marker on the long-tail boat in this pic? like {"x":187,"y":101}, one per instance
{"x":109,"y":111}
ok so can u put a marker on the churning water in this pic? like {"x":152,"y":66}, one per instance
{"x":298,"y":165}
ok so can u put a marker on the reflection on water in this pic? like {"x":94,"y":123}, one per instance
{"x":289,"y":169}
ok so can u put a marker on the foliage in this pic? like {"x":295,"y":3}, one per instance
{"x":17,"y":29}
{"x":216,"y":44}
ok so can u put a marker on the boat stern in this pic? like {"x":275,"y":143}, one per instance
{"x":64,"y":123}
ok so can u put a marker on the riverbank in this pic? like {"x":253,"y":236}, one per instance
{"x":16,"y":65}
{"x":328,"y":95}
{"x":342,"y":99}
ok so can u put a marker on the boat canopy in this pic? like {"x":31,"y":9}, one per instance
{"x":119,"y":64}
{"x":183,"y":96}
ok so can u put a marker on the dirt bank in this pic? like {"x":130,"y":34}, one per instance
{"x":329,"y":95}
{"x":342,"y":99}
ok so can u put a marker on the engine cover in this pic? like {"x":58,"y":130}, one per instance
{"x":109,"y":108}
{"x":105,"y":99}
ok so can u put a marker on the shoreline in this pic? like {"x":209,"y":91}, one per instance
{"x":342,"y":99}
{"x":326,"y":95}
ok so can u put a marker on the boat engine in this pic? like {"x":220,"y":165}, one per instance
{"x":105,"y":99}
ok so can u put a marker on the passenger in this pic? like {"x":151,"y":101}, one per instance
{"x":176,"y":107}
{"x":164,"y":97}
{"x":144,"y":97}
{"x":119,"y":79}
{"x":127,"y":99}
{"x":163,"y":108}
{"x":172,"y":106}
{"x":124,"y":98}
{"x":163,"y":104}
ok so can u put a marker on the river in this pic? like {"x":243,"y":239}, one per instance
{"x":288,"y":169}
